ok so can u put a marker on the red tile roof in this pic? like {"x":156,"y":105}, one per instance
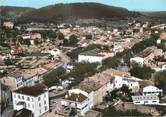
{"x":33,"y":90}
{"x":76,"y":97}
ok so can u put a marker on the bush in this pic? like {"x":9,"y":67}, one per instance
{"x":160,"y":80}
{"x":141,"y":72}
{"x":53,"y":77}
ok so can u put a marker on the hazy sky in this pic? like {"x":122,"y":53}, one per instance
{"x":138,"y":5}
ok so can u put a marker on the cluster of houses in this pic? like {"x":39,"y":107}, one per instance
{"x":23,"y":86}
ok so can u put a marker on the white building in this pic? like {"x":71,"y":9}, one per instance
{"x":55,"y":52}
{"x":151,"y":96}
{"x":163,"y":68}
{"x":32,"y":37}
{"x":8,"y":24}
{"x":93,"y":56}
{"x":118,"y":82}
{"x":78,"y":99}
{"x":34,"y":98}
{"x":137,"y":60}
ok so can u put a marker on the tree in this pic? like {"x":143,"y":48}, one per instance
{"x":160,"y":80}
{"x":141,"y":72}
{"x":72,"y":41}
{"x":89,"y":36}
{"x":53,"y":77}
{"x":82,"y":70}
{"x":60,"y":36}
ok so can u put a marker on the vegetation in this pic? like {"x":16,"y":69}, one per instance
{"x":141,"y":72}
{"x":112,"y":112}
{"x":53,"y":77}
{"x":72,"y":41}
{"x":9,"y":62}
{"x":79,"y":11}
{"x":113,"y":62}
{"x":80,"y":71}
{"x":74,"y":53}
{"x":47,"y":34}
{"x":160,"y":80}
{"x":162,"y":45}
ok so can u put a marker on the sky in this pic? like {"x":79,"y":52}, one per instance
{"x":134,"y":5}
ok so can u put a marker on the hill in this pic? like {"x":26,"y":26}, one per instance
{"x":13,"y":12}
{"x":161,"y":14}
{"x":75,"y":11}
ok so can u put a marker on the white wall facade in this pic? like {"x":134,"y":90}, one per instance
{"x":82,"y":106}
{"x":38,"y":105}
{"x":146,"y":100}
{"x":90,"y":59}
{"x":118,"y":82}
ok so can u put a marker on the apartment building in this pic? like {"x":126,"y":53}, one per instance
{"x":34,"y":98}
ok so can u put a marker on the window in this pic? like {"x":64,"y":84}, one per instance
{"x":39,"y":105}
{"x":23,"y":97}
{"x":32,"y":99}
{"x":28,"y":105}
{"x":38,"y":98}
{"x":18,"y":96}
{"x":28,"y":99}
{"x":44,"y":95}
{"x":45,"y":108}
{"x":14,"y":95}
{"x":44,"y":101}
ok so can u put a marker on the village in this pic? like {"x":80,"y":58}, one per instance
{"x":64,"y":70}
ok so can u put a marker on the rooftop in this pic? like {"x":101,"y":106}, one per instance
{"x":33,"y":90}
{"x":146,"y":52}
{"x":98,"y":80}
{"x":151,"y":89}
{"x":94,"y":52}
{"x":76,"y":97}
{"x":22,"y":113}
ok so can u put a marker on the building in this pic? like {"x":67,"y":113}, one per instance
{"x":137,"y":60}
{"x":55,"y":52}
{"x":8,"y":24}
{"x":5,"y":94}
{"x":32,"y":37}
{"x":131,"y":82}
{"x":94,"y":56}
{"x":150,"y":96}
{"x":22,"y":113}
{"x":78,"y":99}
{"x":34,"y":98}
{"x":98,"y":85}
{"x":12,"y":80}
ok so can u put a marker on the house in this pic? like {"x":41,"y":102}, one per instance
{"x":55,"y":52}
{"x":22,"y":77}
{"x":137,"y":60}
{"x":32,"y":37}
{"x":78,"y":99}
{"x":12,"y":80}
{"x":8,"y":24}
{"x":117,"y":82}
{"x":98,"y":85}
{"x":147,"y":55}
{"x":163,"y":68}
{"x":94,"y":56}
{"x":150,"y":96}
{"x":5,"y":94}
{"x":34,"y":99}
{"x":22,"y":113}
